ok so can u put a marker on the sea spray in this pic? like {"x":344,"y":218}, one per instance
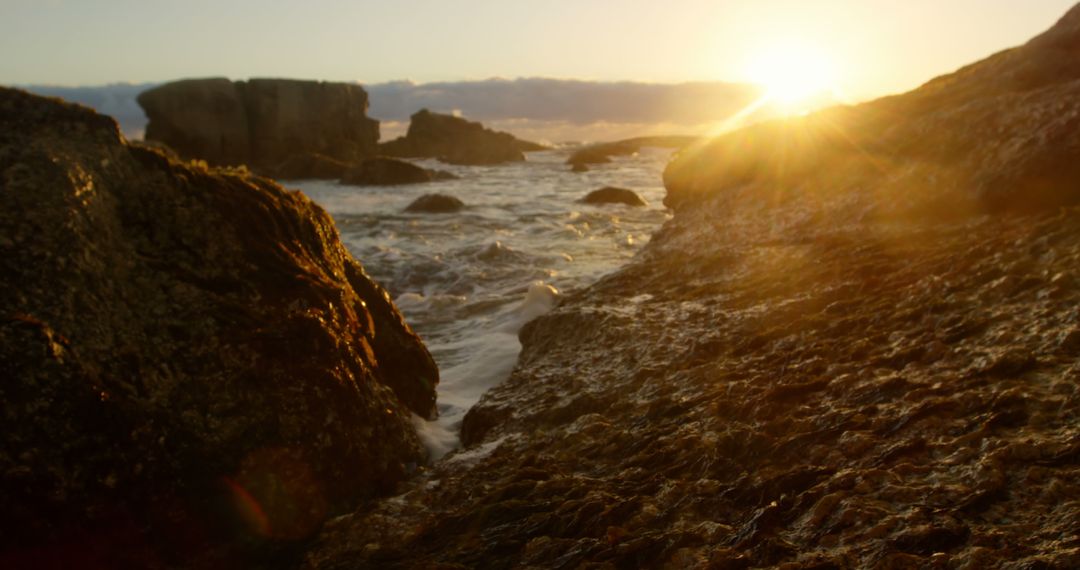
{"x":467,"y":282}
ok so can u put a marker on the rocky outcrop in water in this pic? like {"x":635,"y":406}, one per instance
{"x":456,"y":141}
{"x":613,"y":195}
{"x":382,"y":171}
{"x":311,"y":166}
{"x":855,"y":345}
{"x":601,"y":153}
{"x":261,"y":123}
{"x":435,"y":204}
{"x":195,"y":370}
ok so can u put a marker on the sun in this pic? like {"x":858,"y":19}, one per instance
{"x":792,"y":74}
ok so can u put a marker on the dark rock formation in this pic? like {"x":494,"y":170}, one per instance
{"x":579,"y":167}
{"x":613,"y":195}
{"x":261,"y":122}
{"x":831,"y":357}
{"x":382,"y":171}
{"x":310,"y":166}
{"x":435,"y":204}
{"x":456,"y":141}
{"x":601,"y":153}
{"x":192,"y":364}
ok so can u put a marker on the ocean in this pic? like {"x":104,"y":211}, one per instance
{"x":468,"y":281}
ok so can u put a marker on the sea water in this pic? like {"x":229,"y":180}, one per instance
{"x":467,"y":282}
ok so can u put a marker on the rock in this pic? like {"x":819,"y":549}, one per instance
{"x":195,"y":370}
{"x":310,"y":166}
{"x":382,"y":171}
{"x":435,"y":204}
{"x":456,"y":141}
{"x":813,"y":364}
{"x":612,"y":195}
{"x":601,"y":153}
{"x":261,"y":122}
{"x":579,"y":167}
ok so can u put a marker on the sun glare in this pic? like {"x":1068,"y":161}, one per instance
{"x":792,"y":74}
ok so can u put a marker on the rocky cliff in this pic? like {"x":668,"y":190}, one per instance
{"x":857,"y":344}
{"x":261,"y":122}
{"x":456,"y":141}
{"x":194,"y":369}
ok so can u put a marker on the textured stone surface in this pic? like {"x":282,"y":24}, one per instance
{"x":854,"y":346}
{"x":193,"y":366}
{"x":456,"y":141}
{"x":262,"y":122}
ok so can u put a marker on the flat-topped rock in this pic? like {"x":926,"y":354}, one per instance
{"x":261,"y":122}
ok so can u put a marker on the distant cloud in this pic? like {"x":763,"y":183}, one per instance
{"x":550,"y":110}
{"x":574,"y":101}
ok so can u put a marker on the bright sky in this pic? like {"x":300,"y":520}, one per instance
{"x":873,"y":46}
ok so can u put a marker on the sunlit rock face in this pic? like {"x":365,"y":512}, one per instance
{"x":192,"y":363}
{"x":262,"y":123}
{"x":998,"y":135}
{"x":857,"y":344}
{"x":456,"y":141}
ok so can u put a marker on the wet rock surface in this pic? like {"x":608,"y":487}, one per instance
{"x":261,"y":123}
{"x":195,"y":370}
{"x":435,"y":204}
{"x":382,"y":171}
{"x":831,"y":369}
{"x":455,"y":140}
{"x":613,"y":195}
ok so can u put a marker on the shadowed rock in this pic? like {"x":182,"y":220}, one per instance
{"x":194,"y":367}
{"x":613,"y":195}
{"x":261,"y":122}
{"x":435,"y":204}
{"x":382,"y":171}
{"x":456,"y":141}
{"x":579,"y":167}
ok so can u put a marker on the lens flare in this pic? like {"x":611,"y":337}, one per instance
{"x":792,"y":74}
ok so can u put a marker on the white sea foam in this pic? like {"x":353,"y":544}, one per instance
{"x":468,"y":282}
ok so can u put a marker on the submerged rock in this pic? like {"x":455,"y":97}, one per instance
{"x":262,"y":122}
{"x":435,"y":204}
{"x":814,"y":364}
{"x":382,"y":171}
{"x":194,"y":367}
{"x":613,"y":195}
{"x":579,"y":167}
{"x":456,"y":141}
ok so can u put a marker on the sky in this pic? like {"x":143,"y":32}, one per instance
{"x":874,"y":47}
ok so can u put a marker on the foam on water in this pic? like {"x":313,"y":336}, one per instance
{"x":467,"y":282}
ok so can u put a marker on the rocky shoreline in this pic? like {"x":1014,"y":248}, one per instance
{"x":855,"y":345}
